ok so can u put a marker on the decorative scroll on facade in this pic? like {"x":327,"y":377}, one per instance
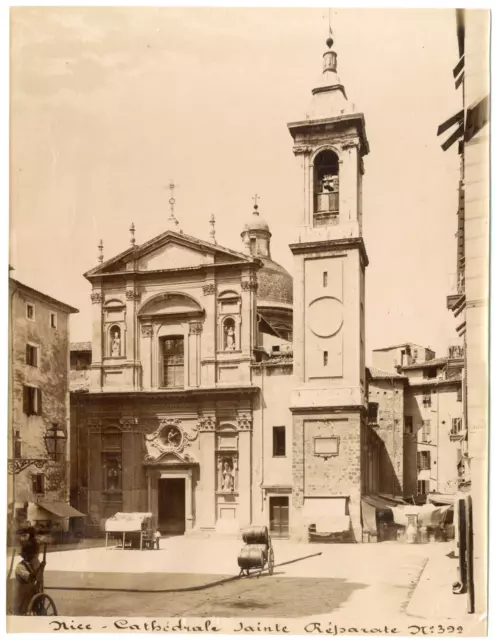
{"x":245,"y":422}
{"x":169,"y":438}
{"x":147,"y":330}
{"x":130,"y":294}
{"x":96,"y":298}
{"x":249,"y":285}
{"x":195,"y":328}
{"x":208,"y":289}
{"x":207,"y":423}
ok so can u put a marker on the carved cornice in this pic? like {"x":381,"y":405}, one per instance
{"x":350,"y":144}
{"x":207,"y":423}
{"x":147,"y":330}
{"x":130,"y":294}
{"x":124,"y":423}
{"x":208,"y":289}
{"x":245,"y":421}
{"x":249,"y":285}
{"x":302,"y":150}
{"x":96,"y":297}
{"x":128,"y":422}
{"x":94,"y":425}
{"x":17,"y":465}
{"x":195,"y":328}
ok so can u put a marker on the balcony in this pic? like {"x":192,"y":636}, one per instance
{"x":457,"y":432}
{"x":326,"y":209}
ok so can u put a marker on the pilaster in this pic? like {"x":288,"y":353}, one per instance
{"x":96,"y":343}
{"x":209,"y":341}
{"x":245,"y":425}
{"x":206,"y":502}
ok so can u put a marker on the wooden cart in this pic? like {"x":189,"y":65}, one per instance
{"x":257,"y":552}
{"x":132,"y":530}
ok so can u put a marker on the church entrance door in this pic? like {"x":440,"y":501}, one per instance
{"x":172,"y":506}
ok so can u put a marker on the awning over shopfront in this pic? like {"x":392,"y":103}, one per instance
{"x":388,"y":509}
{"x":60,"y":509}
{"x":376,"y":508}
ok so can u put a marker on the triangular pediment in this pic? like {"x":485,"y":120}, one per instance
{"x":169,"y":251}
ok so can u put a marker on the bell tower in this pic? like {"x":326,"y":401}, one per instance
{"x":328,"y":401}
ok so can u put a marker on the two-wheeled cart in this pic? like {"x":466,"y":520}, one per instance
{"x":257,"y":553}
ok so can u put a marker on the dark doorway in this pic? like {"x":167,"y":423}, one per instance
{"x":172,"y":505}
{"x":279,"y":517}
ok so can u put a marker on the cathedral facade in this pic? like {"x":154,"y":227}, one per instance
{"x":223,"y":393}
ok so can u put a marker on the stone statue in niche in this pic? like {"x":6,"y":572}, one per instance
{"x":229,"y":337}
{"x":228,"y":474}
{"x":113,"y":479}
{"x":174,"y":437}
{"x":115,"y":344}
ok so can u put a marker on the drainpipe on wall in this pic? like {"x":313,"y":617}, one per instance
{"x":262,"y":436}
{"x":438,"y":438}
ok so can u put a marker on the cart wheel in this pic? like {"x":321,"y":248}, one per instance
{"x":41,"y":605}
{"x":271,"y":561}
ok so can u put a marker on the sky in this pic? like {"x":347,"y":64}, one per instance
{"x":109,"y":104}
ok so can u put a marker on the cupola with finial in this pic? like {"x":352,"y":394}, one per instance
{"x":256,"y":233}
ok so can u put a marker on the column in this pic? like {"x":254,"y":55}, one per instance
{"x":96,"y":365}
{"x":132,"y":300}
{"x":348,"y":168}
{"x":95,"y":481}
{"x":209,"y":342}
{"x":195,"y":329}
{"x":146,"y":355}
{"x":206,"y":504}
{"x":303,"y":153}
{"x":189,"y":501}
{"x":245,"y":422}
{"x":248,"y":287}
{"x":127,"y":471}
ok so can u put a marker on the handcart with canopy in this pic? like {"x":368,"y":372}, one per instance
{"x":132,"y":530}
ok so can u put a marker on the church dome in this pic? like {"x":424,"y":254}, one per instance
{"x":256,"y":222}
{"x":274,"y":284}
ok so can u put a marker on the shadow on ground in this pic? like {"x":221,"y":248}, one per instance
{"x":268,"y":596}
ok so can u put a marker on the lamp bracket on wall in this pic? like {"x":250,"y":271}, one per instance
{"x":17,"y":465}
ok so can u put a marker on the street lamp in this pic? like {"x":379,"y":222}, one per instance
{"x":55,"y":439}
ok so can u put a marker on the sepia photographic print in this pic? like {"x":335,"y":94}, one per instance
{"x":248,"y":321}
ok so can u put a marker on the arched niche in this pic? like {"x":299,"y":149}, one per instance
{"x":229,"y":321}
{"x":326,"y":176}
{"x":114,"y":340}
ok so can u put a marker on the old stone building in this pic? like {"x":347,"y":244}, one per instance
{"x":416,"y":405}
{"x":38,"y":480}
{"x":206,"y":402}
{"x":470,"y":128}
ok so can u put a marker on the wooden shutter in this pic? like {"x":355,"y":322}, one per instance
{"x":39,"y":408}
{"x":25,"y":400}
